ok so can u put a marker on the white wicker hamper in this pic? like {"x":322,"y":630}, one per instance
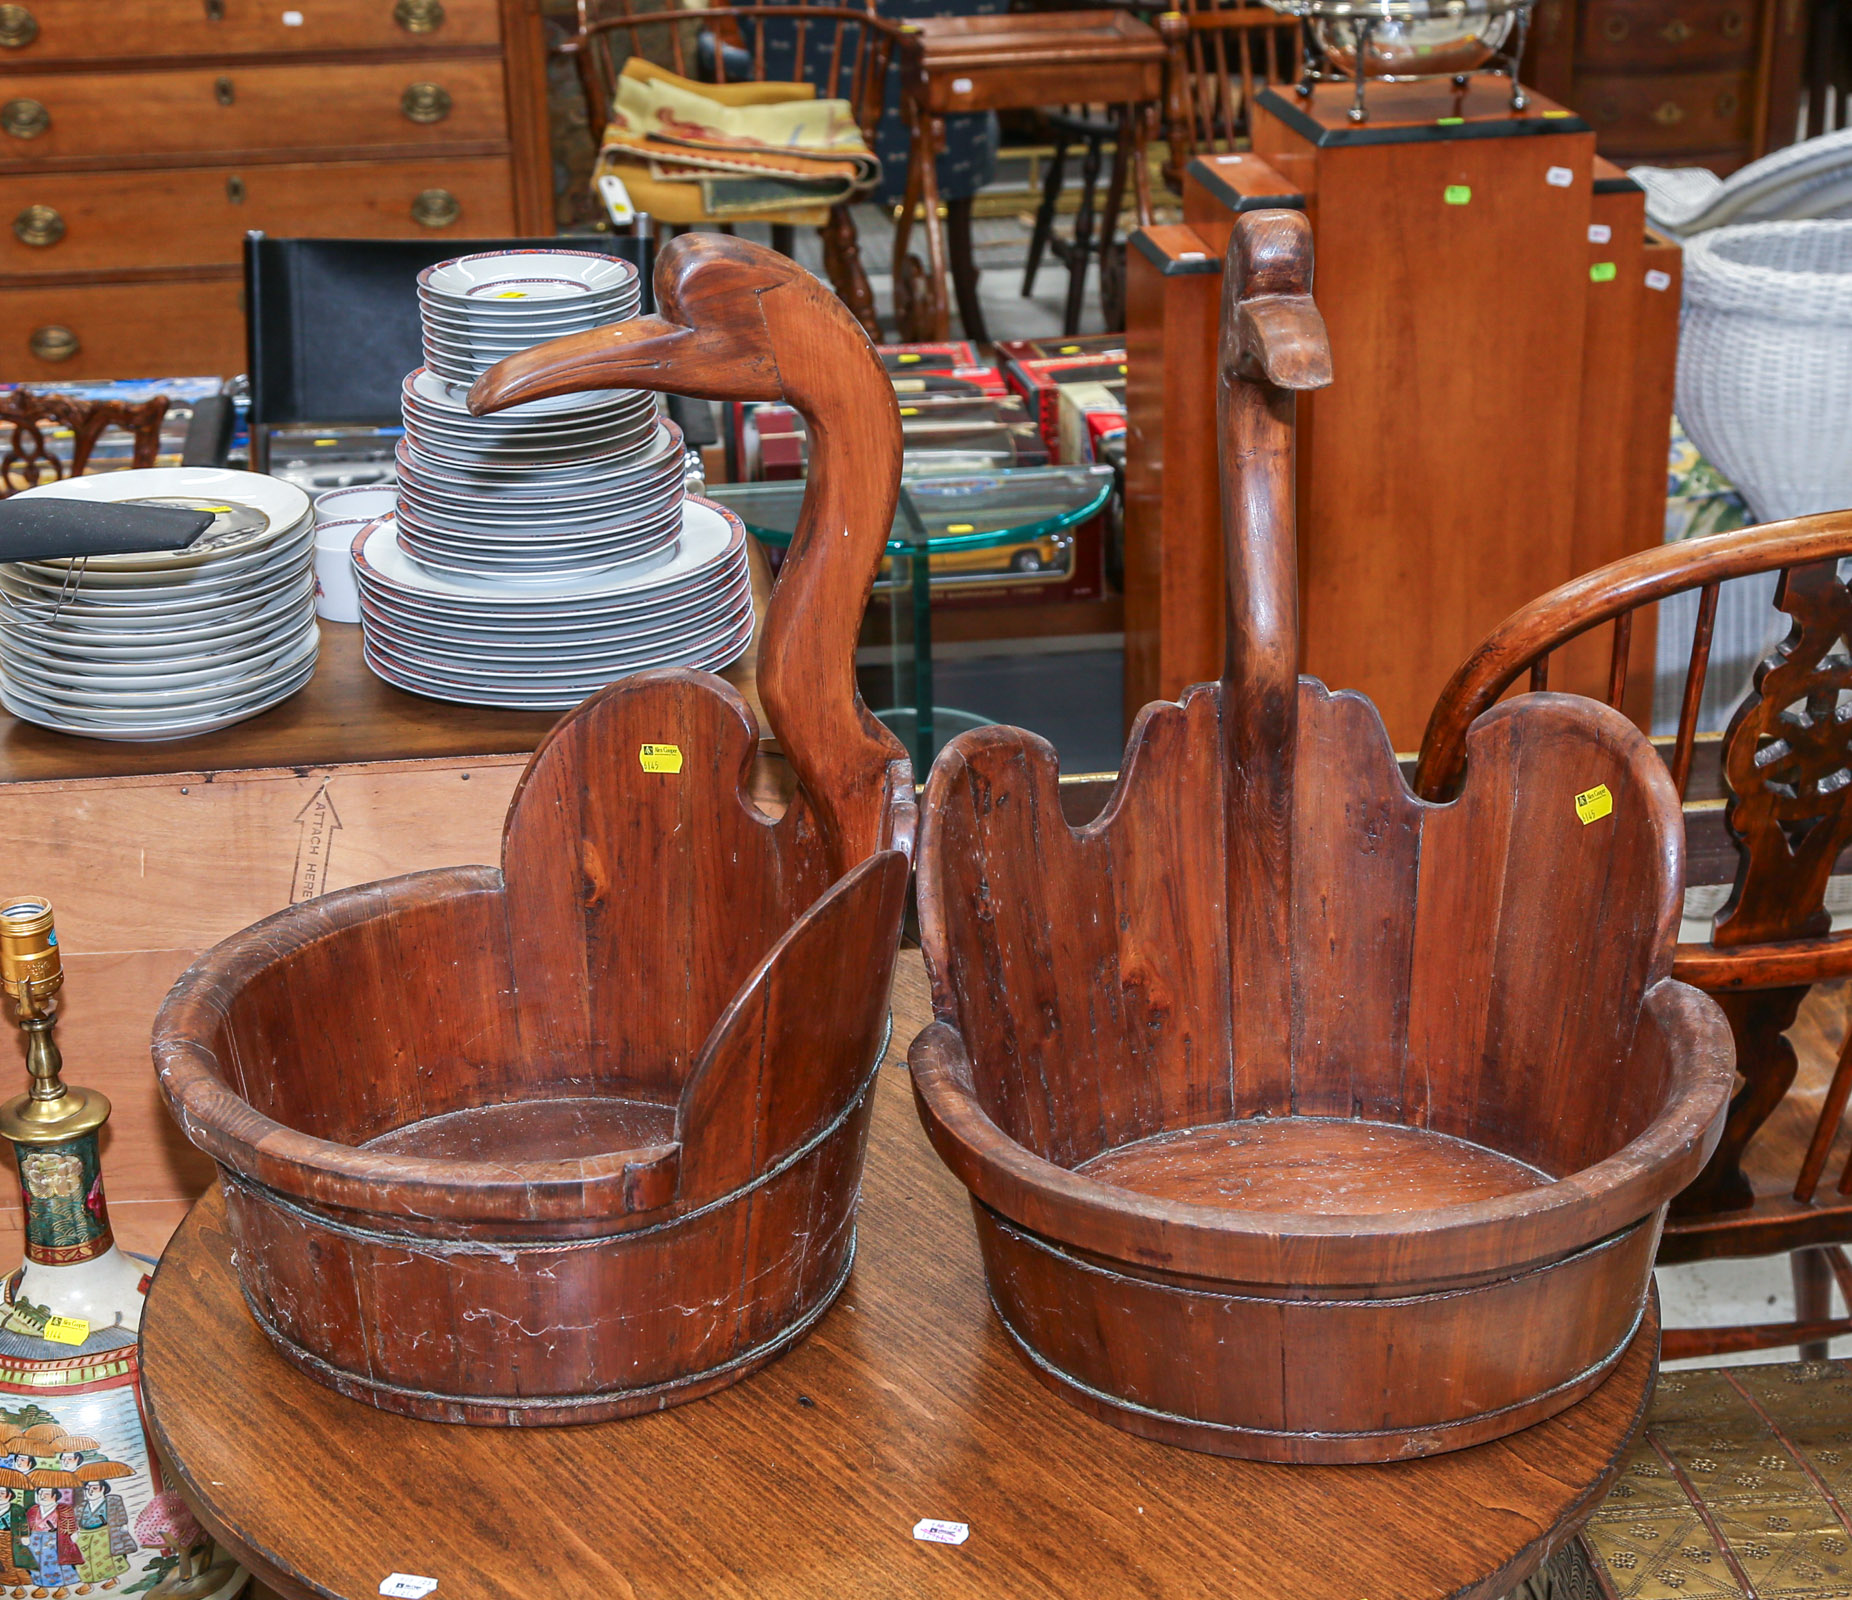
{"x":1765,"y":362}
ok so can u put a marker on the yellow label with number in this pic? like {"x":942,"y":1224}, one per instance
{"x":1591,"y":805}
{"x":66,"y":1330}
{"x":660,"y":757}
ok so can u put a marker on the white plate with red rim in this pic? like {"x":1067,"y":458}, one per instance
{"x":508,"y":642}
{"x":526,"y":277}
{"x":573,"y":627}
{"x":709,"y":537}
{"x":451,"y":399}
{"x":711,"y":629}
{"x":526,"y":695}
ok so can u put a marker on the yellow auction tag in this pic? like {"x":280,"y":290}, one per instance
{"x":1457,"y":194}
{"x":660,"y":757}
{"x":1591,"y":805}
{"x":511,"y":294}
{"x":66,"y":1330}
{"x":908,"y":359}
{"x":1070,"y":350}
{"x":909,"y":411}
{"x":961,"y":527}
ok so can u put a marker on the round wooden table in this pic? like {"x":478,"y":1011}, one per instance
{"x":805,"y":1481}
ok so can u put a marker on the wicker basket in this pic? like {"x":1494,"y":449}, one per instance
{"x":1765,"y":362}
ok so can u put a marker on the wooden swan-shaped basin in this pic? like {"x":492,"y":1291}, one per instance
{"x":581,"y":1135}
{"x":1304,"y":1120}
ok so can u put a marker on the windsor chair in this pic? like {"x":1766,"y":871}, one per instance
{"x":28,"y":460}
{"x":1219,"y":54}
{"x":842,"y":51}
{"x":1782,"y":817}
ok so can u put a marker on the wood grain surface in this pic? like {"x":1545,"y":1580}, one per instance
{"x":804,"y":1483}
{"x":1265,"y":925}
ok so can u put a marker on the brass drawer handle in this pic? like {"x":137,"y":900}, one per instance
{"x":18,"y":27}
{"x":24,"y":119}
{"x":419,"y":16}
{"x":1726,"y":104}
{"x":234,"y":191}
{"x":224,"y":91}
{"x":1677,"y":31}
{"x":436,"y":208}
{"x":53,"y":343}
{"x":425,"y":102}
{"x":1732,"y":24}
{"x":1615,"y":26}
{"x":1667,"y":113}
{"x":38,"y":226}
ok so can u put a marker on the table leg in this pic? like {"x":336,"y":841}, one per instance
{"x":1128,"y":153}
{"x":1080,"y":248}
{"x":842,"y":261}
{"x":919,"y":293}
{"x":964,"y":268}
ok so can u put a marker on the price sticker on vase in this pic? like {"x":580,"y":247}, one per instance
{"x":933,"y":1531}
{"x":66,"y":1330}
{"x":660,"y":757}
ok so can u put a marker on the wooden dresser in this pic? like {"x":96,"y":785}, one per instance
{"x":1712,"y":83}
{"x":141,"y":139}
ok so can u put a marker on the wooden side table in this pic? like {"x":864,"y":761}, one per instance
{"x":1008,"y":63}
{"x":908,"y":1401}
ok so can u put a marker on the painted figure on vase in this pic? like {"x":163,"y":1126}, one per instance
{"x":82,"y":1491}
{"x":16,"y":1562}
{"x":51,"y":1533}
{"x":103,"y":1533}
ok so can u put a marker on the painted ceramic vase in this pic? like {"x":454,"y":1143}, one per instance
{"x":84,"y":1506}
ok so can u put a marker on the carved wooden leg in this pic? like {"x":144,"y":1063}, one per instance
{"x":1045,"y":213}
{"x":1126,"y":155}
{"x":842,"y":261}
{"x":1758,"y":1019}
{"x":935,"y":319}
{"x":964,"y":268}
{"x":784,"y":238}
{"x":1813,"y":1295}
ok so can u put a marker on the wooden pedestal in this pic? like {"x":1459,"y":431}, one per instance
{"x":1502,"y":391}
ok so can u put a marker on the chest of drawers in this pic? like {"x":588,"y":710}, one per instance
{"x":1712,"y":83}
{"x":141,"y":139}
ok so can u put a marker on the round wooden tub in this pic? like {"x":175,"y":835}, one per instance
{"x":582,"y":1136}
{"x":1302,"y":1119}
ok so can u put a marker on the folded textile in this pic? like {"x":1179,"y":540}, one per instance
{"x":773,"y":150}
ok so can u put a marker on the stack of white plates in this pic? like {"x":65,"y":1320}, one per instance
{"x":559,"y":486}
{"x":546,"y":646}
{"x":478,"y":309}
{"x":537,"y":554}
{"x":165,"y":645}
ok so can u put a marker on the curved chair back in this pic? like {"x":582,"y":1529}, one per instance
{"x":1781,"y":816}
{"x":28,"y":460}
